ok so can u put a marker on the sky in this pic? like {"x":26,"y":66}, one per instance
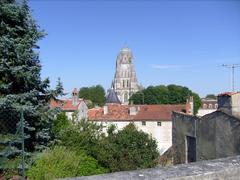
{"x":182,"y":42}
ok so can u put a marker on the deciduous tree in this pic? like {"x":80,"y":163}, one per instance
{"x":96,"y":94}
{"x":171,"y":94}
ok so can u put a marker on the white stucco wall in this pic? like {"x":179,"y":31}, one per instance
{"x":162,"y":134}
{"x":202,"y":112}
{"x":81,"y":112}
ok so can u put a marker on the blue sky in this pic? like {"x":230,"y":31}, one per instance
{"x":173,"y":42}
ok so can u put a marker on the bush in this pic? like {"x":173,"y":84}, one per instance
{"x":60,"y":162}
{"x":83,"y":135}
{"x":128,"y":149}
{"x":60,"y":123}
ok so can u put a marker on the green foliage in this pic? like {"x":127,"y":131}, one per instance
{"x":60,"y":162}
{"x":128,"y":149}
{"x":8,"y":152}
{"x":197,"y":102}
{"x":111,"y":129}
{"x":21,"y":86}
{"x":171,"y":94}
{"x":61,"y":123}
{"x":83,"y":135}
{"x":96,"y":94}
{"x":211,"y":96}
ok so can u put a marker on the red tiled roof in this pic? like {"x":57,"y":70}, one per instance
{"x":158,"y":112}
{"x":65,"y":105}
{"x":146,"y":112}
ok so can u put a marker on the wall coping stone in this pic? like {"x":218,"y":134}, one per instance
{"x":218,"y":169}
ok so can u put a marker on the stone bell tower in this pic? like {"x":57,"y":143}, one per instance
{"x":125,"y":81}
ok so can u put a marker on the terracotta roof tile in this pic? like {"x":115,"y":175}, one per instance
{"x":117,"y":112}
{"x":158,"y":112}
{"x":65,"y":105}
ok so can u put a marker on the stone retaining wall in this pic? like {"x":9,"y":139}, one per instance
{"x":219,"y":169}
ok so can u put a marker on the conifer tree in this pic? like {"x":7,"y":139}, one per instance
{"x":21,"y":86}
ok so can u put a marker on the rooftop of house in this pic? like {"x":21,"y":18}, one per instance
{"x":218,"y":113}
{"x":228,"y":93}
{"x":117,"y":112}
{"x":208,"y":100}
{"x":65,"y":104}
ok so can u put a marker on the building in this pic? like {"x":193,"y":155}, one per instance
{"x":125,"y":80}
{"x":152,"y":119}
{"x":208,"y":106}
{"x":71,"y":105}
{"x":215,"y":135}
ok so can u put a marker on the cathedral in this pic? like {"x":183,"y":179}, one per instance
{"x":125,"y":80}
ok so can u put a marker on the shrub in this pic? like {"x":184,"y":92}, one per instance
{"x":83,"y":135}
{"x":128,"y":149}
{"x":60,"y":162}
{"x":61,"y":123}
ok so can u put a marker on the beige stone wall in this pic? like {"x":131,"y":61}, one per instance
{"x":236,"y":105}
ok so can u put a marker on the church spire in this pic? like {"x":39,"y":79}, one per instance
{"x":125,"y":80}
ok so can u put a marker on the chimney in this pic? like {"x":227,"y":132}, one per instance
{"x":105,"y":109}
{"x":133,"y":110}
{"x":75,"y":97}
{"x":229,"y":103}
{"x":190,"y":106}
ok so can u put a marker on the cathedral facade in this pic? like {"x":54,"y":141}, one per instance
{"x":125,"y":80}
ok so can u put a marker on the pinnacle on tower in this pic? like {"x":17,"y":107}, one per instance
{"x":125,"y":81}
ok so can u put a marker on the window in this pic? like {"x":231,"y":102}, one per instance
{"x":210,"y":106}
{"x":204,"y":106}
{"x":159,"y":123}
{"x":144,"y":123}
{"x":216,"y":106}
{"x":125,"y":97}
